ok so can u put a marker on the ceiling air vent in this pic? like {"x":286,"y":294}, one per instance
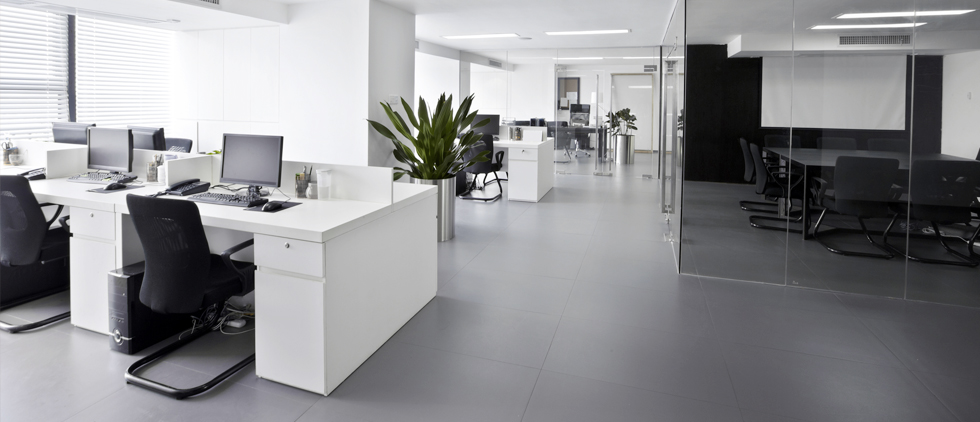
{"x":649,"y":68}
{"x":905,"y":39}
{"x":495,"y":63}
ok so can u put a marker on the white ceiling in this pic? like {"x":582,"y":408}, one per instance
{"x":255,"y":13}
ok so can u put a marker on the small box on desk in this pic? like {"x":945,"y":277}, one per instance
{"x":132,"y":324}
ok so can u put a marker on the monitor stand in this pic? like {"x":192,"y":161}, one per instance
{"x":256,"y":191}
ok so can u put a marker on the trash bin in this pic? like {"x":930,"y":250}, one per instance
{"x":625,"y":149}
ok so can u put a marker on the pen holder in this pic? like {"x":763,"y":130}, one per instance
{"x":302,"y":182}
{"x":151,"y":172}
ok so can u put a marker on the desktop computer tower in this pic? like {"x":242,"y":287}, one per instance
{"x":132,"y":325}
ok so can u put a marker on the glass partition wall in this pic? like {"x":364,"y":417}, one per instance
{"x":671,"y":156}
{"x":835,"y":158}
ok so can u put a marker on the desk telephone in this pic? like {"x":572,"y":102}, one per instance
{"x":188,"y":187}
{"x":36,"y":174}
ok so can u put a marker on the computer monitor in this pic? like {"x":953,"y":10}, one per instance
{"x":492,"y":128}
{"x":580,"y":108}
{"x":110,"y":149}
{"x":254,"y":160}
{"x":70,"y":132}
{"x":149,"y":138}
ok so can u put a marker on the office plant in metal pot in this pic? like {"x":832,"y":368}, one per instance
{"x":436,"y":155}
{"x":621,"y":124}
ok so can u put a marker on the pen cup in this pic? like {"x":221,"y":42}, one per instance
{"x":151,"y":172}
{"x":302,"y":182}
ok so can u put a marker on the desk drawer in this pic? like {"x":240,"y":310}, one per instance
{"x":523,"y":154}
{"x":291,"y":255}
{"x":92,"y":223}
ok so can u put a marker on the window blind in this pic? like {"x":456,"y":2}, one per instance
{"x":122,"y":73}
{"x":33,"y":72}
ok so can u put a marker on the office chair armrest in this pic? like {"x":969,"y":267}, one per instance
{"x":56,"y":213}
{"x":819,"y":189}
{"x":226,"y":258}
{"x":64,"y":223}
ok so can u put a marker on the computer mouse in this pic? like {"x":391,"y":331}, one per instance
{"x":114,"y":186}
{"x":272,"y":206}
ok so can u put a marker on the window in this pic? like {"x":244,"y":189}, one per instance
{"x":33,"y":72}
{"x":122,"y":73}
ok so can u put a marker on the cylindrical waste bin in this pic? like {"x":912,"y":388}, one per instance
{"x":624,"y":149}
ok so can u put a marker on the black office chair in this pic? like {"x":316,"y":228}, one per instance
{"x":829,"y":142}
{"x":179,"y":144}
{"x":942,"y":192}
{"x":749,"y":175}
{"x":889,"y":144}
{"x":33,"y":257}
{"x":782,"y":141}
{"x":183,"y":277}
{"x":484,"y":168}
{"x":70,"y":132}
{"x":862,"y":190}
{"x":776,"y":182}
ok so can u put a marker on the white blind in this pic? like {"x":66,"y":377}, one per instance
{"x":122,"y":73}
{"x":33,"y":72}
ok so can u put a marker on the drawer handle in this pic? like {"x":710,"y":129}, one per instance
{"x":91,"y":215}
{"x":287,"y":245}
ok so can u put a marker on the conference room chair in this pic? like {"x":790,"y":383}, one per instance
{"x":33,"y":256}
{"x":782,"y":141}
{"x":749,"y":176}
{"x":776,"y":183}
{"x":483,"y":168}
{"x":862,"y":190}
{"x":70,"y":132}
{"x":889,"y":144}
{"x":182,"y":277}
{"x":179,"y":144}
{"x":829,"y":142}
{"x":942,"y":192}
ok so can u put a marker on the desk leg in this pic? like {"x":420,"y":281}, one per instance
{"x":806,"y":204}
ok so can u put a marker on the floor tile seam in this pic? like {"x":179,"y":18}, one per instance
{"x":644,"y":289}
{"x":468,"y":354}
{"x":507,"y":307}
{"x":782,"y":286}
{"x":767,"y":412}
{"x":44,"y":330}
{"x":717,"y":340}
{"x":106,"y":397}
{"x":900,"y":365}
{"x":936,"y":396}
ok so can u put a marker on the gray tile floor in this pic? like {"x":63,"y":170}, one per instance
{"x":565,"y":310}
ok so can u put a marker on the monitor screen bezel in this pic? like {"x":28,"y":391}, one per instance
{"x":157,"y":135}
{"x":88,"y":153}
{"x":223,"y":179}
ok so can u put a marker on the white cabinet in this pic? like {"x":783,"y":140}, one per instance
{"x":289,"y":346}
{"x":531,"y":170}
{"x":91,"y":261}
{"x":284,"y":254}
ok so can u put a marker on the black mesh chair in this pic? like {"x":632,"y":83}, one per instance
{"x":889,"y":144}
{"x":29,"y":251}
{"x":942,"y":192}
{"x":183,"y":277}
{"x":749,"y":175}
{"x":70,"y":132}
{"x":484,"y":168}
{"x":776,"y":182}
{"x":829,"y":142}
{"x":179,"y":144}
{"x":782,"y":141}
{"x":862,"y":190}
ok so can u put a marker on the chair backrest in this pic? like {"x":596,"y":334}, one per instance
{"x":862,"y":185}
{"x":176,"y":251}
{"x":486,"y":166}
{"x":829,"y":142}
{"x":183,"y":144}
{"x":22,"y":223}
{"x":783,"y":141}
{"x":747,"y":160}
{"x":761,"y":175}
{"x":70,"y":132}
{"x":889,"y":144}
{"x":942,"y":190}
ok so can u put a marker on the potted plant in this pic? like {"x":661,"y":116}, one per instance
{"x":621,"y":124}
{"x":437,"y":154}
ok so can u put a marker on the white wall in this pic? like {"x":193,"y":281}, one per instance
{"x":532,"y":92}
{"x":435,"y":75}
{"x":489,"y":85}
{"x":961,"y":115}
{"x":391,"y":69}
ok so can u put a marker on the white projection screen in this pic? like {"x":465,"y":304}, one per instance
{"x":834,"y":92}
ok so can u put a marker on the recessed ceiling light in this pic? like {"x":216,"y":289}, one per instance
{"x":477,"y":36}
{"x":599,"y":32}
{"x":903,"y":14}
{"x":870,"y":26}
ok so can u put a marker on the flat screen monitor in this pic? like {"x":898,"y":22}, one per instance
{"x":254,"y":160}
{"x":492,"y":128}
{"x":110,"y":149}
{"x":70,"y":132}
{"x":149,"y":138}
{"x":580,"y":108}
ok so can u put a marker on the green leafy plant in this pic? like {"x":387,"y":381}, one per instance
{"x":437,"y":154}
{"x":621,"y":122}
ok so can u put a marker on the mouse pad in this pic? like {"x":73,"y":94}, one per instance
{"x":102,"y":190}
{"x":285,"y":205}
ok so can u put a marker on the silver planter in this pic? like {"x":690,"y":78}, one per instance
{"x":625,"y":149}
{"x":445,"y":206}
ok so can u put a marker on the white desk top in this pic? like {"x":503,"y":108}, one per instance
{"x":507,"y":143}
{"x":314,"y":220}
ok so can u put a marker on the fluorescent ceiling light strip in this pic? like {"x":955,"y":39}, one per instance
{"x":477,"y":36}
{"x":641,"y":86}
{"x":598,"y":32}
{"x":870,"y":26}
{"x":578,"y":58}
{"x":903,"y":14}
{"x":639,"y":58}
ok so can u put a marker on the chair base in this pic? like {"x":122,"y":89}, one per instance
{"x":473,"y":187}
{"x":964,"y":260}
{"x":13,"y":329}
{"x":751,"y":206}
{"x":864,"y":229}
{"x":179,"y":393}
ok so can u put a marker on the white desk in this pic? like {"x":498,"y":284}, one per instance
{"x":335,"y":278}
{"x":530,"y":167}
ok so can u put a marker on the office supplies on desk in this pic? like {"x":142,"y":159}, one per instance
{"x":188,"y":187}
{"x":271,"y":206}
{"x":323,"y":179}
{"x":114,"y":186}
{"x":36,"y":174}
{"x":279,"y":206}
{"x":245,"y":201}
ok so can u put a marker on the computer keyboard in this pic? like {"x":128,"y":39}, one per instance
{"x":102,"y":178}
{"x":226,"y":199}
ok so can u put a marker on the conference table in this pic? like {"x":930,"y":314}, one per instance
{"x":812,"y":160}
